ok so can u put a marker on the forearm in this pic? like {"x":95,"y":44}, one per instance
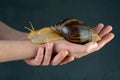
{"x":7,"y":32}
{"x":16,"y":50}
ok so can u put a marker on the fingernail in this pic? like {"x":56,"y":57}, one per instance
{"x":94,"y":45}
{"x":64,"y":53}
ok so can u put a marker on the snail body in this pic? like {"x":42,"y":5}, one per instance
{"x":43,"y":35}
{"x":71,"y":30}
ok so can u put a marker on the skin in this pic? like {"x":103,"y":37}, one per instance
{"x":63,"y":50}
{"x":58,"y":59}
{"x":16,"y":47}
{"x":78,"y":51}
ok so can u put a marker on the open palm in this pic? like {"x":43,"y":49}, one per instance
{"x":78,"y":50}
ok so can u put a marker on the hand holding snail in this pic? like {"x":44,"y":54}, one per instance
{"x":78,"y":50}
{"x":64,"y":30}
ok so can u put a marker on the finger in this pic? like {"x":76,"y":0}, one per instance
{"x":67,"y":60}
{"x":59,"y":57}
{"x":105,"y":31}
{"x":48,"y":54}
{"x":38,"y":58}
{"x":98,"y":28}
{"x":107,"y":38}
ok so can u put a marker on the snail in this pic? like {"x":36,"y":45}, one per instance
{"x":72,"y":30}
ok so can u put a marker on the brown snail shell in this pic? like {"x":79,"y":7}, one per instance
{"x":72,"y":30}
{"x":76,"y":31}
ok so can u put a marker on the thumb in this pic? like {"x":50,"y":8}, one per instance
{"x":90,"y":47}
{"x":83,"y":50}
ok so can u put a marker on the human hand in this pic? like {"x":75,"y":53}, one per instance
{"x":105,"y":34}
{"x":45,"y":56}
{"x":78,"y":50}
{"x":44,"y":51}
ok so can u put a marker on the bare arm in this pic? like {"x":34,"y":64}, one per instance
{"x":8,"y":33}
{"x":13,"y":46}
{"x":25,"y":49}
{"x":16,"y":50}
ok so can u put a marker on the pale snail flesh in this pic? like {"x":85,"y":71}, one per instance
{"x":72,"y":30}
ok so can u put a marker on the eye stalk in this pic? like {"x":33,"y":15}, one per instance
{"x":32,"y":27}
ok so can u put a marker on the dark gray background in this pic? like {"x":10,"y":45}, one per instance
{"x":102,"y":65}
